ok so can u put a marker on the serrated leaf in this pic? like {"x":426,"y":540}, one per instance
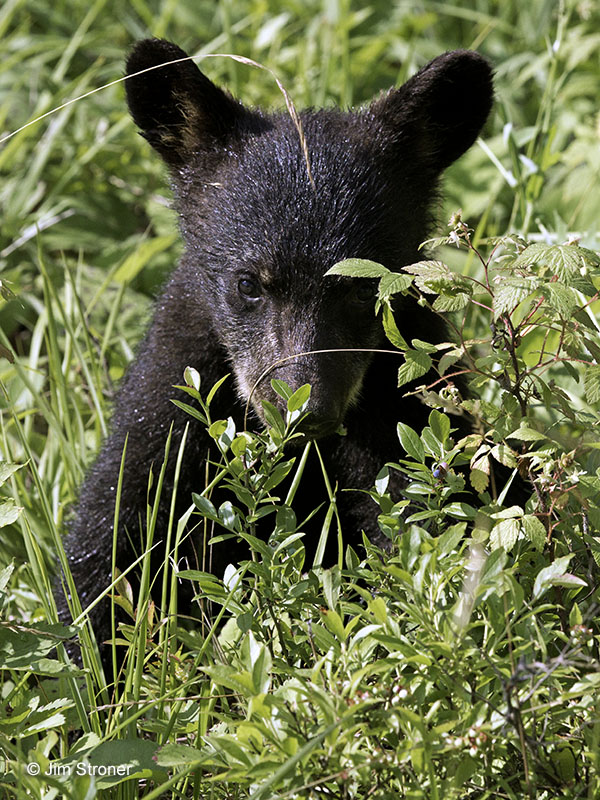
{"x":511,"y":292}
{"x":393,"y":283}
{"x":504,"y":534}
{"x":426,"y":347}
{"x":429,"y":273}
{"x":451,"y":302}
{"x":591,"y":383}
{"x":562,"y":298}
{"x":448,"y":359}
{"x":9,"y":512}
{"x":504,"y":455}
{"x":411,"y":442}
{"x":358,"y":268}
{"x":569,"y":263}
{"x":526,"y":434}
{"x":6,"y":470}
{"x":417,"y":364}
{"x":534,"y":531}
{"x":479,"y":479}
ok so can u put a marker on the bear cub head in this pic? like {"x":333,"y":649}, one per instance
{"x":264,"y":215}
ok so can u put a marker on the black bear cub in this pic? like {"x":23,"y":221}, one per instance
{"x":260,"y":233}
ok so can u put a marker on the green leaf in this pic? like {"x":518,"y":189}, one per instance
{"x":272,"y":416}
{"x":426,"y":347}
{"x":526,"y":434}
{"x":192,"y":378}
{"x":6,"y":470}
{"x":282,"y":388}
{"x":393,"y":283}
{"x":391,"y":329}
{"x":514,"y":512}
{"x":277,"y":474}
{"x":564,"y":763}
{"x":232,"y":678}
{"x":440,"y":425}
{"x":299,"y":398}
{"x":460,"y":511}
{"x":569,"y":263}
{"x":448,"y":359}
{"x":417,"y":364}
{"x":431,"y":275}
{"x":23,"y":648}
{"x":479,"y":479}
{"x":215,"y":389}
{"x":134,"y":756}
{"x":575,"y":616}
{"x":204,"y":506}
{"x":9,"y":512}
{"x":555,"y":575}
{"x":411,"y":442}
{"x":504,"y":534}
{"x":334,"y":622}
{"x":534,"y":530}
{"x":511,"y":292}
{"x":504,"y":455}
{"x":449,"y":540}
{"x":562,"y":298}
{"x":358,"y":268}
{"x":591,"y":383}
{"x":193,"y":412}
{"x":467,"y":767}
{"x":451,"y":302}
{"x":5,"y":575}
{"x":179,"y":755}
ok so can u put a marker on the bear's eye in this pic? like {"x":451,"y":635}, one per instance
{"x":249,"y":288}
{"x":364,"y":292}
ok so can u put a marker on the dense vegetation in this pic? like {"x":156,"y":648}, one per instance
{"x":463,"y":663}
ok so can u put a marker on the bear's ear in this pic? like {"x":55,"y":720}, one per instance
{"x":440,"y":111}
{"x":178,"y":110}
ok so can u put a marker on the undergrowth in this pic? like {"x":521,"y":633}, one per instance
{"x":459,"y":661}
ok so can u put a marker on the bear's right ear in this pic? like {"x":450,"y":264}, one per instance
{"x":178,"y":110}
{"x":438,"y":113}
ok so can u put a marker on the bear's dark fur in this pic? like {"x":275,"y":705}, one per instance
{"x":250,"y":289}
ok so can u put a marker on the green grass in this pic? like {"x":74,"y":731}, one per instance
{"x":391,"y":677}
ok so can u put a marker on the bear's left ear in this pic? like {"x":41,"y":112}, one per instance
{"x":179,"y":111}
{"x":440,"y":111}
